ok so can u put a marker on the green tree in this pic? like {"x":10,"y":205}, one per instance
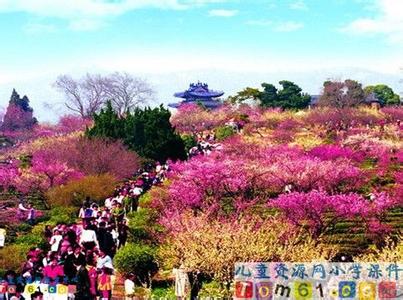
{"x":137,"y":259}
{"x":289,"y":97}
{"x":245,"y":95}
{"x":189,"y":141}
{"x":107,"y":124}
{"x":384,"y":93}
{"x":269,"y":97}
{"x":145,"y":131}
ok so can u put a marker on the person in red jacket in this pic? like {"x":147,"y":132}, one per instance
{"x":53,"y":271}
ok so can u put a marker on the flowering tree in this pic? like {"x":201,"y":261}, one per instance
{"x":94,"y":156}
{"x":8,"y":172}
{"x":305,"y":174}
{"x":215,"y":246}
{"x":393,"y":114}
{"x":192,"y":118}
{"x":335,"y":152}
{"x":45,"y":172}
{"x":71,"y":123}
{"x":228,"y":184}
{"x":318,"y":211}
{"x":342,"y":94}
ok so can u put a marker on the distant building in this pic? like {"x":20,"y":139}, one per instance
{"x":314,"y":100}
{"x":199,"y":93}
{"x":372,"y":99}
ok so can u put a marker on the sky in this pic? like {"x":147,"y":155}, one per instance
{"x":229,"y":44}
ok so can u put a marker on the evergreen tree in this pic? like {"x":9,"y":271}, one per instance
{"x":146,"y":131}
{"x":289,"y":97}
{"x":268,"y":98}
{"x":384,"y":93}
{"x":107,"y":124}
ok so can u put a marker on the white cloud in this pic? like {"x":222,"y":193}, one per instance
{"x":389,"y":21}
{"x":298,"y":5}
{"x":89,"y":14}
{"x":222,"y":13}
{"x":263,"y":23}
{"x":85,"y":24}
{"x":39,"y":28}
{"x":288,"y":26}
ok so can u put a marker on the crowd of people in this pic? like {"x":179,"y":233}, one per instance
{"x":80,"y":255}
{"x":205,"y":144}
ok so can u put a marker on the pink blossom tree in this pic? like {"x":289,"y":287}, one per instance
{"x":94,"y":156}
{"x":8,"y":173}
{"x":71,"y":123}
{"x":318,"y":211}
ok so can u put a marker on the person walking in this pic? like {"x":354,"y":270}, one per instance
{"x":129,"y":286}
{"x":105,"y":284}
{"x":31,"y":215}
{"x":3,"y":233}
{"x":181,"y":282}
{"x":83,"y":283}
{"x":55,"y":241}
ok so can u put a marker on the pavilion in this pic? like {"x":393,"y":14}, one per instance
{"x":199,"y":93}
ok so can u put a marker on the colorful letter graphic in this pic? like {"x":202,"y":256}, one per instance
{"x":387,"y":290}
{"x":302,"y":290}
{"x":30,"y":288}
{"x":264,"y":290}
{"x":52,"y":289}
{"x":72,"y":289}
{"x":366,"y":290}
{"x":12,"y":289}
{"x":347,"y":289}
{"x":61,"y":289}
{"x":304,"y":281}
{"x":244,"y":289}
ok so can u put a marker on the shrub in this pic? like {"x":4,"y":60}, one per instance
{"x":391,"y":252}
{"x":164,"y":293}
{"x":97,"y":187}
{"x":223,"y":132}
{"x":13,"y":256}
{"x":24,"y":227}
{"x":143,"y":225}
{"x":189,"y":141}
{"x":31,"y":239}
{"x":137,"y":259}
{"x":214,"y":289}
{"x":145,"y":200}
{"x":62,"y":215}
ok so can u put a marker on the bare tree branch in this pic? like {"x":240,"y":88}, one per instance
{"x":87,"y":95}
{"x":128,"y":92}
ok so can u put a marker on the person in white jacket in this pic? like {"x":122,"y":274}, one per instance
{"x":181,"y":282}
{"x":129,"y":286}
{"x":88,"y":238}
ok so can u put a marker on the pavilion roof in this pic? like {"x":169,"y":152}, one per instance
{"x":199,"y":90}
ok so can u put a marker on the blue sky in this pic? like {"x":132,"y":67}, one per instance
{"x":229,"y":43}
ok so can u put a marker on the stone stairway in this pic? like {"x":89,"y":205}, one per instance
{"x":118,"y":292}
